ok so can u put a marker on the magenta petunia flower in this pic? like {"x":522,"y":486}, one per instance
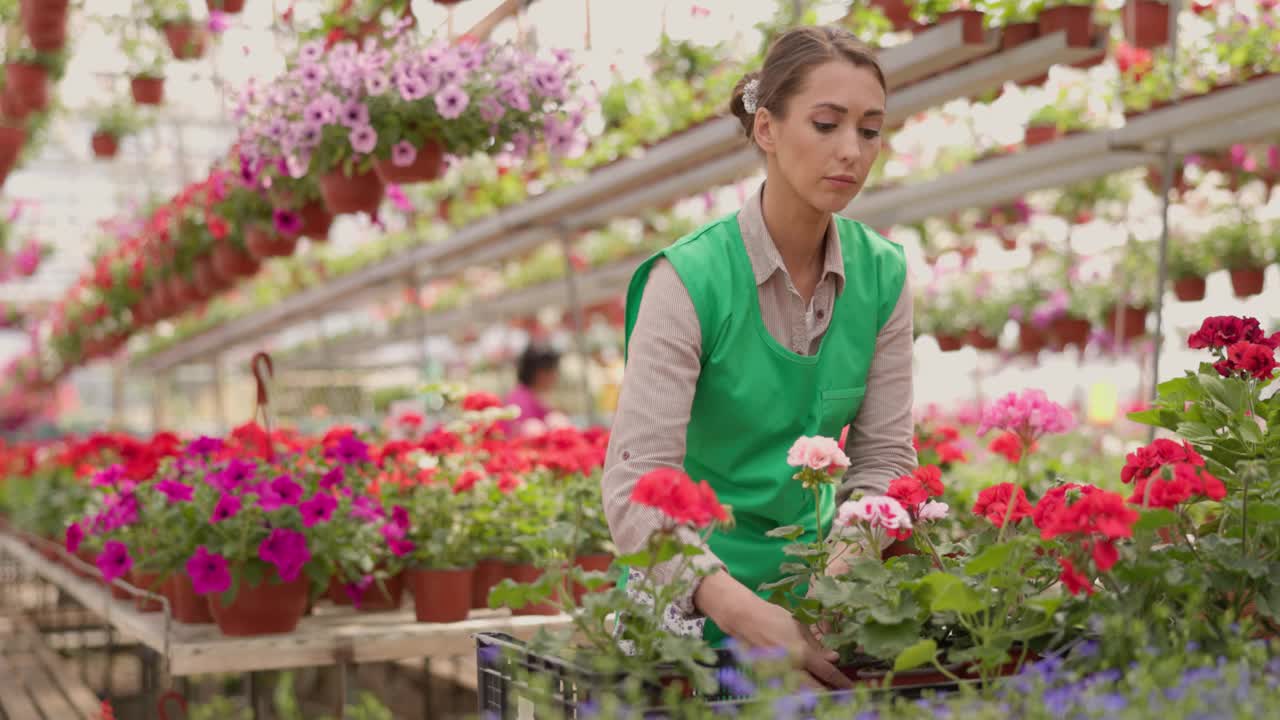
{"x":114,"y":562}
{"x":74,"y":536}
{"x":363,"y":139}
{"x":235,"y":474}
{"x":282,"y":492}
{"x":176,"y":492}
{"x":398,"y":198}
{"x":318,"y":509}
{"x":366,"y":509}
{"x":451,"y":102}
{"x":108,"y":476}
{"x":208,"y":572}
{"x":350,"y":450}
{"x":119,"y":511}
{"x":333,"y":478}
{"x":228,"y":506}
{"x":400,"y":517}
{"x":400,"y":548}
{"x":204,"y":446}
{"x":218,"y":22}
{"x":286,"y":222}
{"x":287,"y":550}
{"x":403,"y":154}
{"x":356,"y":590}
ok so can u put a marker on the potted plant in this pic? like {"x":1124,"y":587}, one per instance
{"x":898,"y":12}
{"x":1061,"y":117}
{"x":987,"y":313}
{"x":1242,"y":249}
{"x":146,"y":68}
{"x":935,"y":316}
{"x":227,"y":6}
{"x":1146,"y":23}
{"x":27,"y":76}
{"x":186,"y":37}
{"x":938,"y":12}
{"x":114,"y":123}
{"x":1017,"y":20}
{"x":1189,"y":262}
{"x":45,"y":24}
{"x":1074,"y":17}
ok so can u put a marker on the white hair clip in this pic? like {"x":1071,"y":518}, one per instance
{"x":749,"y":92}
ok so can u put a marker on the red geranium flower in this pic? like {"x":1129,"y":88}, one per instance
{"x":1176,"y":484}
{"x":477,"y":401}
{"x":1075,"y":581}
{"x":1008,"y":445}
{"x":908,"y":491}
{"x":679,"y":498}
{"x":931,"y":477}
{"x":1220,"y":331}
{"x":1145,"y":460}
{"x":1000,"y":501}
{"x":1257,"y":360}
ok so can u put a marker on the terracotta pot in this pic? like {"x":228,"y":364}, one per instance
{"x":1100,"y":33}
{"x":45,"y":23}
{"x":231,"y":261}
{"x":152,"y":584}
{"x":1015,"y":34}
{"x":897,"y":11}
{"x":1068,"y":330}
{"x":227,"y":6}
{"x":980,"y":340}
{"x":186,"y":605}
{"x":105,"y":145}
{"x":265,"y":243}
{"x":1146,"y":23}
{"x":186,"y":40}
{"x":359,"y":193}
{"x":1189,"y":289}
{"x":949,"y":343}
{"x":1031,"y":339}
{"x":1076,"y":20}
{"x":488,"y":573}
{"x":11,"y":141}
{"x":590,"y":563}
{"x":1247,"y":282}
{"x":267,"y":608}
{"x":207,"y":281}
{"x":29,"y":84}
{"x":1135,"y":320}
{"x":972,"y":22}
{"x":441,"y":596}
{"x":1040,"y":134}
{"x":316,"y":221}
{"x":147,"y":90}
{"x":427,"y":166}
{"x":524,"y":573}
{"x":375,"y":599}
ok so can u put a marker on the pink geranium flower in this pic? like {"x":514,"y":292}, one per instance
{"x":1029,"y":415}
{"x":817,"y":453}
{"x":879,"y":516}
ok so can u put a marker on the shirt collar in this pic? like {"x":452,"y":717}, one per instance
{"x":764,"y":255}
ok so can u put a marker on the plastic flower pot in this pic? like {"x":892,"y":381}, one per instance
{"x":1247,"y":282}
{"x":335,"y":592}
{"x":488,"y":573}
{"x":1076,"y":20}
{"x":590,"y":563}
{"x":227,"y":6}
{"x":29,"y":85}
{"x":897,"y":11}
{"x":267,"y":608}
{"x":358,"y":193}
{"x":1040,"y":134}
{"x":1099,"y":31}
{"x":105,"y":145}
{"x":524,"y":573}
{"x":45,"y":23}
{"x":265,"y":243}
{"x":980,"y":340}
{"x":1031,"y":339}
{"x":151,"y":583}
{"x":316,"y":221}
{"x":1146,"y":23}
{"x":1189,"y":289}
{"x":972,"y":24}
{"x":427,"y":166}
{"x":186,"y":606}
{"x":1015,"y":34}
{"x":948,"y":342}
{"x":375,"y":598}
{"x":147,"y":90}
{"x":441,"y":596}
{"x":231,"y":261}
{"x":1070,"y":330}
{"x":186,"y":40}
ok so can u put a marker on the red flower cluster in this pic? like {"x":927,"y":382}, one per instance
{"x":1009,"y":445}
{"x":1176,"y":484}
{"x":1000,"y":501}
{"x":915,"y":489}
{"x":1257,"y":360}
{"x":1220,"y":331}
{"x":477,"y":401}
{"x":1133,"y":61}
{"x":938,"y":446}
{"x":1144,"y":461}
{"x":679,"y":498}
{"x":1095,"y":518}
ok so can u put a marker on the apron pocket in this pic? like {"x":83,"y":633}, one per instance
{"x":839,"y":407}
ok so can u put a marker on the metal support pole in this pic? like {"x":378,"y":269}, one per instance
{"x":579,"y":326}
{"x":1166,"y":183}
{"x":219,"y":396}
{"x":427,"y":698}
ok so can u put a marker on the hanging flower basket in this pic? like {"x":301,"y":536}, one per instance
{"x":11,"y":142}
{"x":1031,"y":339}
{"x":441,"y":596}
{"x":233,"y":7}
{"x":1040,"y":134}
{"x":267,"y":608}
{"x":29,"y":85}
{"x":897,"y":11}
{"x":186,"y":40}
{"x":971,"y":20}
{"x":316,"y":221}
{"x":1247,"y":282}
{"x":1076,"y":20}
{"x":980,"y":340}
{"x":45,"y":23}
{"x":361,"y":192}
{"x":948,"y":342}
{"x":1068,"y":330}
{"x":208,"y":280}
{"x":1015,"y":34}
{"x":264,"y":243}
{"x":1146,"y":23}
{"x":105,"y":145}
{"x":1135,"y":321}
{"x":1189,"y":289}
{"x":147,"y":90}
{"x":231,"y":261}
{"x":426,"y":165}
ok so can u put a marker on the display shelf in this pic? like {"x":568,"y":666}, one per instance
{"x":331,"y":636}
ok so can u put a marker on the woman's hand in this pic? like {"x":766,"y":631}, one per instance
{"x":757,"y":623}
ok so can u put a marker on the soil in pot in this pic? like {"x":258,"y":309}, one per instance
{"x":187,"y":606}
{"x":1146,"y":23}
{"x":147,"y":90}
{"x":1189,"y":289}
{"x":358,"y":193}
{"x":186,"y":40}
{"x":441,"y":596}
{"x":151,"y":583}
{"x":1040,"y":134}
{"x":1076,"y":20}
{"x":427,"y":166}
{"x":525,"y":574}
{"x":29,"y":84}
{"x":1247,"y":282}
{"x":1015,"y":34}
{"x":264,"y":609}
{"x":105,"y":145}
{"x":949,"y":343}
{"x":487,"y":575}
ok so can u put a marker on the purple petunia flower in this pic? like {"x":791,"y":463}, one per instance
{"x":354,"y":114}
{"x":403,"y":154}
{"x":491,"y":110}
{"x":350,"y":450}
{"x":451,"y":102}
{"x":377,"y":84}
{"x":287,"y":550}
{"x":73,"y":537}
{"x":322,"y":110}
{"x":119,"y":511}
{"x":282,"y":492}
{"x":287,"y":222}
{"x":546,"y":81}
{"x":218,"y":22}
{"x":412,"y":88}
{"x":311,"y":52}
{"x":208,"y":572}
{"x":175,"y":491}
{"x":228,"y":506}
{"x":333,"y":478}
{"x":312,"y":76}
{"x":235,"y":474}
{"x":204,"y":445}
{"x":318,"y":509}
{"x":304,"y":135}
{"x":363,"y":139}
{"x":115,"y":561}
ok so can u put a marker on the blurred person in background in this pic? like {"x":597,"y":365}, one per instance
{"x":537,"y":374}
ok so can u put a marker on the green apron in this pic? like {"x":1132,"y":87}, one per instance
{"x":755,"y":396}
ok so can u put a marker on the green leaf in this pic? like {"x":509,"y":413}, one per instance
{"x":916,"y":655}
{"x":990,"y":559}
{"x":1264,"y":512}
{"x":801,"y":550}
{"x":789,"y":532}
{"x":1155,"y":518}
{"x":949,"y":593}
{"x":1249,"y":430}
{"x":886,"y":641}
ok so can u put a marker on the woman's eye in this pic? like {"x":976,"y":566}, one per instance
{"x":869,"y":133}
{"x":824,"y":126}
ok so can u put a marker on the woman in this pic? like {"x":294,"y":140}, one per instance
{"x":537,"y":372}
{"x":778,"y":321}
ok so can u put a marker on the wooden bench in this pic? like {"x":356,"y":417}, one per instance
{"x":36,"y":684}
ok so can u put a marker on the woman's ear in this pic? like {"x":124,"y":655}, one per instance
{"x":765,"y":130}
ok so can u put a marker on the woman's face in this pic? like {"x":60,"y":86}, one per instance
{"x":828,"y":141}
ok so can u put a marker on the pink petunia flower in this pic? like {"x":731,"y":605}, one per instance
{"x":115,"y":561}
{"x":208,"y":572}
{"x":403,"y":154}
{"x":451,"y":102}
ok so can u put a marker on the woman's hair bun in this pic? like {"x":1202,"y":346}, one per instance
{"x":738,"y":107}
